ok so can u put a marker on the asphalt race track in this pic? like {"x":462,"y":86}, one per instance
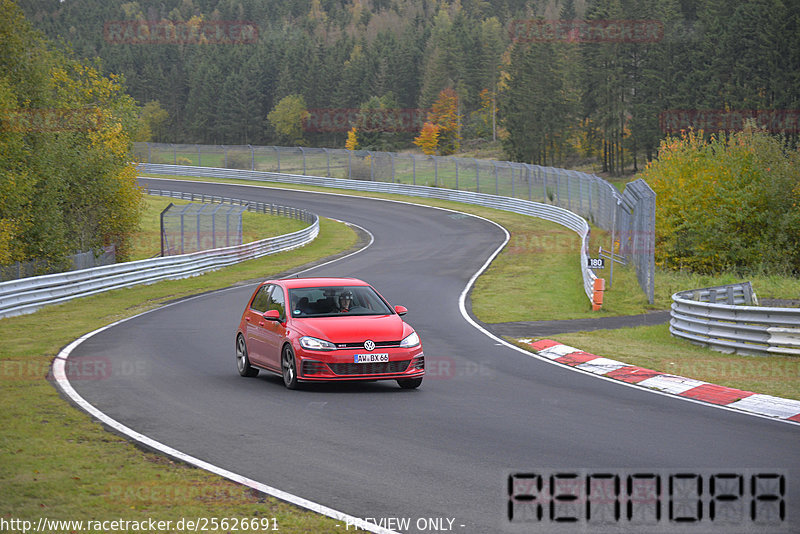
{"x":444,"y":451}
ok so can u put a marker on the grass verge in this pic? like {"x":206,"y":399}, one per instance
{"x":57,"y":463}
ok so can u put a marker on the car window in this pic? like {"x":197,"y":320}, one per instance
{"x":261,"y":299}
{"x":277,"y":301}
{"x":335,"y":301}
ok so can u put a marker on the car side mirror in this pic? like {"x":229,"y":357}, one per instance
{"x":272,"y":315}
{"x":400,"y":310}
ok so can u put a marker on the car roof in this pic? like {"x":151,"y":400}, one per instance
{"x":291,"y":283}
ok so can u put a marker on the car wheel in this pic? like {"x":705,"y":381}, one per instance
{"x":288,"y":367}
{"x":242,"y":361}
{"x":409,"y":383}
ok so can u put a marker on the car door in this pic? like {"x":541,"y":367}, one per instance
{"x":256,"y":331}
{"x":275,"y":331}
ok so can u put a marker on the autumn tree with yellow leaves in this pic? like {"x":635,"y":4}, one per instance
{"x":730,"y":203}
{"x":67,"y":183}
{"x":440,"y":133}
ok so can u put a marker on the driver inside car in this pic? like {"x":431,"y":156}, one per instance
{"x":345,"y":301}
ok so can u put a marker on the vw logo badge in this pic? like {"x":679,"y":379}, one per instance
{"x":369,"y":345}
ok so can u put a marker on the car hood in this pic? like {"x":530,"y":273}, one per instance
{"x":354,"y":329}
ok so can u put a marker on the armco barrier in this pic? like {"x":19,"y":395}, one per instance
{"x":629,"y":216}
{"x":734,"y":325}
{"x":29,"y":294}
{"x":548,"y":212}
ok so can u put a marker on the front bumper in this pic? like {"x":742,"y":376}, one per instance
{"x":340,"y":365}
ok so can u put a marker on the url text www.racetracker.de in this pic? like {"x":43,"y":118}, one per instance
{"x":198,"y":524}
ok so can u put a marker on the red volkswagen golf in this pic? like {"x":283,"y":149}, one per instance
{"x":317,"y":329}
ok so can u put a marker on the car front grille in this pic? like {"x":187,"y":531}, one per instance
{"x":313,"y":368}
{"x":369,"y":368}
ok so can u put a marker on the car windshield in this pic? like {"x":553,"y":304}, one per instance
{"x":333,"y":301}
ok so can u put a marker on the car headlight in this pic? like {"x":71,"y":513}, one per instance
{"x":411,"y":340}
{"x":312,"y":343}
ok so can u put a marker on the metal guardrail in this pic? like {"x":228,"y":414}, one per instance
{"x":629,"y":216}
{"x":27,"y":295}
{"x":728,"y":319}
{"x":548,"y":212}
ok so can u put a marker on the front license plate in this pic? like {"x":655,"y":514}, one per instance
{"x":371,"y":358}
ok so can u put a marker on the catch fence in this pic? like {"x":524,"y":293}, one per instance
{"x":84,"y":260}
{"x":629,"y":216}
{"x":193,"y":227}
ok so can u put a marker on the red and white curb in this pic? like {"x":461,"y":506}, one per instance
{"x":765,"y":405}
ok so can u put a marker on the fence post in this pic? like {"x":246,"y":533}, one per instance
{"x":477,"y":177}
{"x":496,"y":181}
{"x":511,"y":168}
{"x":544,"y":184}
{"x":569,"y":192}
{"x":528,"y":177}
{"x":558,"y":190}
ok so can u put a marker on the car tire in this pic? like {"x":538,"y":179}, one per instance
{"x":409,"y":383}
{"x":242,"y":361}
{"x":288,"y":367}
